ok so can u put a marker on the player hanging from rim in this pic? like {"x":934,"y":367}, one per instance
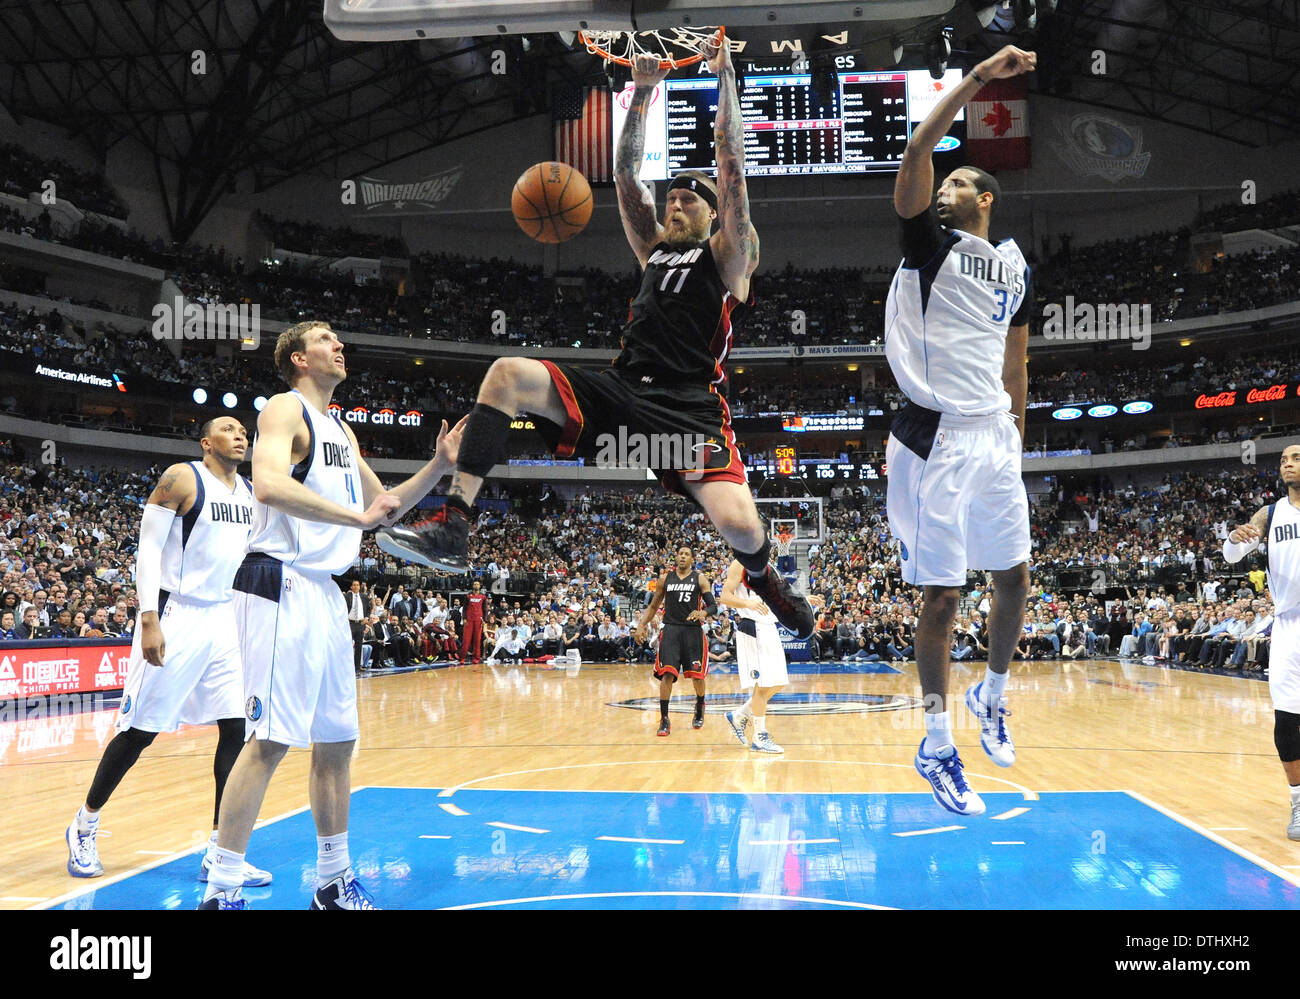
{"x":687,"y":598}
{"x":667,"y":380}
{"x":1276,"y":528}
{"x":185,"y":665}
{"x":316,"y":495}
{"x":956,"y":336}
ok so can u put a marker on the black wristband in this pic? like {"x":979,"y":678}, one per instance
{"x":978,"y":79}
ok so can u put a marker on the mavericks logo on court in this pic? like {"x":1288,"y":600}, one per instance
{"x":253,"y":708}
{"x":784,"y":704}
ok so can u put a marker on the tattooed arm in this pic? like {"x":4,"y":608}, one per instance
{"x":735,"y":245}
{"x":636,"y":202}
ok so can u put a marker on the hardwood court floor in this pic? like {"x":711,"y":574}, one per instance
{"x":1197,"y":745}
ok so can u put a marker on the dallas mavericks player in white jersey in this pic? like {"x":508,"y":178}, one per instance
{"x":315,"y":495}
{"x":185,"y":666}
{"x":956,"y":335}
{"x":1277,"y":527}
{"x":760,"y":659}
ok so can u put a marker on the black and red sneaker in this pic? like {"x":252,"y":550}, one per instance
{"x":792,"y":610}
{"x":664,"y":727}
{"x":697,"y":721}
{"x":441,"y":542}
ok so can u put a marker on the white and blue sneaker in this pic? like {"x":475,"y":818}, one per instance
{"x":222,"y":902}
{"x":83,"y":854}
{"x":947,"y":781}
{"x":343,"y":892}
{"x":254,"y":877}
{"x":993,"y":728}
{"x":738,"y":726}
{"x":763,"y":744}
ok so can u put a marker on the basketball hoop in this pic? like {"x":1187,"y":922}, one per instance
{"x":784,"y":541}
{"x":674,"y":47}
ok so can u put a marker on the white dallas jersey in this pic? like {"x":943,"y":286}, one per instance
{"x":763,"y":619}
{"x":330,"y":471}
{"x":1283,"y":539}
{"x":205,"y":546}
{"x":946,"y":324}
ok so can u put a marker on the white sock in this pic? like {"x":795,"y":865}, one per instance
{"x":226,"y":874}
{"x":994,"y":686}
{"x":1295,"y":794}
{"x":746,"y":710}
{"x":760,"y":724}
{"x":212,"y":846}
{"x":331,"y":857}
{"x":938,"y":732}
{"x":85,"y":821}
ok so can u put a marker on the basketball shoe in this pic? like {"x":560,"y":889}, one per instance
{"x":664,"y":727}
{"x":947,"y":781}
{"x":83,"y":854}
{"x":697,"y":720}
{"x":792,"y":610}
{"x":738,"y":726}
{"x":763,"y":743}
{"x":222,"y":901}
{"x":1293,"y":830}
{"x":254,"y":877}
{"x":993,"y":729}
{"x":441,"y":542}
{"x":344,"y":892}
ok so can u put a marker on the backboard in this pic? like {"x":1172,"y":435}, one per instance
{"x":770,"y":20}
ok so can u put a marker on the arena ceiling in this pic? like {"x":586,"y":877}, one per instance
{"x":279,"y":95}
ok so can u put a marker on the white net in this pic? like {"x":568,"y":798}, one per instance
{"x":673,"y":47}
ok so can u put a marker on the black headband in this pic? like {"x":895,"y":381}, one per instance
{"x":694,"y":184}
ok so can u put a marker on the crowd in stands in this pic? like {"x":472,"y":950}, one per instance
{"x":23,"y":172}
{"x":329,"y":241}
{"x":584,"y":566}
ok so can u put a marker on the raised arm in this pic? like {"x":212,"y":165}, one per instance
{"x":636,"y":202}
{"x":914,"y":185}
{"x":420,"y":484}
{"x":735,"y":246}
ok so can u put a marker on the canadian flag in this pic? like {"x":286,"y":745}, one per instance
{"x":997,"y":125}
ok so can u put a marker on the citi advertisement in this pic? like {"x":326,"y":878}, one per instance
{"x":37,"y":669}
{"x":384,"y":418}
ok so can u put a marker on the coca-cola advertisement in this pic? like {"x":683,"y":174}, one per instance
{"x":1252,"y":396}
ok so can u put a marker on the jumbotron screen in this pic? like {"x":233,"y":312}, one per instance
{"x":861,"y":125}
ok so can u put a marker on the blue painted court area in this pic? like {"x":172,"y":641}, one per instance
{"x":544,"y":849}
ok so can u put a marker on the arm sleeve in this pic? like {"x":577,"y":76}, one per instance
{"x":920,"y":238}
{"x":1021,"y":318}
{"x":1234,"y":552}
{"x":710,"y":601}
{"x":154,"y":526}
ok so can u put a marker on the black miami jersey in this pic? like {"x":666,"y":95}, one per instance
{"x":680,"y":324}
{"x":682,"y":597}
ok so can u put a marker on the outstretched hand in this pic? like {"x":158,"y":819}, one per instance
{"x":1007,"y":61}
{"x":646,"y":71}
{"x":716,"y":56}
{"x":447,"y":447}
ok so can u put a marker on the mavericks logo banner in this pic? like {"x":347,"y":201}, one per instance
{"x":417,"y":197}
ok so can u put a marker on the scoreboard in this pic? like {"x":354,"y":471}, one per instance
{"x":786,"y":463}
{"x":787,"y":460}
{"x":861,"y":124}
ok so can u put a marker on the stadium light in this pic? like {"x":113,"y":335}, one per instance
{"x":259,"y":402}
{"x":230,"y":400}
{"x":200,"y":396}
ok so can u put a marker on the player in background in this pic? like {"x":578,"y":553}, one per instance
{"x":956,"y":336}
{"x":760,"y":659}
{"x":185,"y":667}
{"x":1276,"y":529}
{"x":668,"y":380}
{"x":687,"y":599}
{"x":472,"y":637}
{"x":315,"y":496}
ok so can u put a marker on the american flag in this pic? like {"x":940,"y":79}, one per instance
{"x":584,"y":130}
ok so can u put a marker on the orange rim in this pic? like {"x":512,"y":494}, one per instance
{"x":720,"y":34}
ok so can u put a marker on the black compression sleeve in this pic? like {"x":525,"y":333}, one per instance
{"x":920,"y":238}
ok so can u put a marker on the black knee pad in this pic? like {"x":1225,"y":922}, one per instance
{"x":755,"y":562}
{"x":1286,"y":735}
{"x":484,"y":442}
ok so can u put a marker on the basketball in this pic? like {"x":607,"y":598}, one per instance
{"x":552,"y":202}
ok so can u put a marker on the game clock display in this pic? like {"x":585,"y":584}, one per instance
{"x":787,"y":460}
